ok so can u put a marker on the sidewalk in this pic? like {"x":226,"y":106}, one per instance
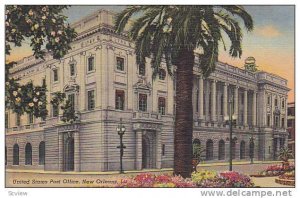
{"x":211,"y":165}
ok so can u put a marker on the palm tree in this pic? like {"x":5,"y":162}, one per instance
{"x":173,"y":33}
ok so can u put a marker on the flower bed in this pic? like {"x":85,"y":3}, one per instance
{"x":228,"y":179}
{"x":146,"y":180}
{"x":287,"y":178}
{"x":274,"y":170}
{"x":201,"y":179}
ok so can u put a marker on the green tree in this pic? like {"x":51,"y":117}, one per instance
{"x":172,"y":33}
{"x":48,"y":32}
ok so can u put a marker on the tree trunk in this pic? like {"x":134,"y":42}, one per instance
{"x":184,"y":114}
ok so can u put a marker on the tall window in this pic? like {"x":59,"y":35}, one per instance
{"x":72,"y":69}
{"x":282,"y":103}
{"x":6,"y":120}
{"x":163,"y":149}
{"x":55,"y":75}
{"x":242,"y":150}
{"x":142,"y":70}
{"x":162,"y":74}
{"x":55,"y":110}
{"x":276,"y":102}
{"x":18,"y":119}
{"x":120,"y":99}
{"x":282,"y":122}
{"x":269,"y":100}
{"x":28,"y":154}
{"x":162,"y":105}
{"x":71,"y":98}
{"x":16,"y":154}
{"x":221,"y":150}
{"x":91,"y":100}
{"x":209,"y":150}
{"x":143,"y":102}
{"x":120,"y":63}
{"x":42,"y":153}
{"x":233,"y":149}
{"x":30,"y":118}
{"x":91,"y":63}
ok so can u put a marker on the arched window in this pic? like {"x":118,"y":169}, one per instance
{"x":42,"y":153}
{"x":16,"y":154}
{"x":242,"y":150}
{"x":221,"y":150}
{"x":209,"y":150}
{"x":196,"y":148}
{"x":233,"y":149}
{"x":28,"y":154}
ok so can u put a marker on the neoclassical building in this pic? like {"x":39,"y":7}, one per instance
{"x":102,"y":79}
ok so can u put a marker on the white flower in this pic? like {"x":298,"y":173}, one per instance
{"x":44,"y":17}
{"x":52,"y":33}
{"x":18,"y":99}
{"x":57,"y":39}
{"x":53,"y":20}
{"x":59,"y":32}
{"x":13,"y":30}
{"x":36,"y":26}
{"x":44,"y":9}
{"x":29,"y":21}
{"x":35,"y":99}
{"x":7,"y":83}
{"x":30,"y":12}
{"x":15,"y":93}
{"x":19,"y":89}
{"x":40,"y":103}
{"x":7,"y":23}
{"x":31,"y":104}
{"x":169,"y":20}
{"x":38,"y":93}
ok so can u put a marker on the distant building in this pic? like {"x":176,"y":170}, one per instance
{"x":100,"y":74}
{"x":291,"y":126}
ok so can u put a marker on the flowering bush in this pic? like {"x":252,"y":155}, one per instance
{"x":201,"y":176}
{"x":235,"y":179}
{"x":225,"y":179}
{"x":276,"y":170}
{"x":288,"y":175}
{"x":149,"y":180}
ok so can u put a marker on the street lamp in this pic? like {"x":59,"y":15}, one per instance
{"x":231,"y":119}
{"x":251,"y":154}
{"x":121,"y":130}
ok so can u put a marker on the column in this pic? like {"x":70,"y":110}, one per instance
{"x":98,"y":65}
{"x":245,"y":107}
{"x":158,"y":149}
{"x":213,"y":102}
{"x":201,"y":98}
{"x":207,"y":91}
{"x":76,"y":152}
{"x":82,"y":80}
{"x":138,"y":146}
{"x":254,"y":109}
{"x":61,"y":151}
{"x":225,"y":99}
{"x":236,"y":102}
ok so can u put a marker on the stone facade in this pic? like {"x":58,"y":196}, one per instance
{"x":101,"y":74}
